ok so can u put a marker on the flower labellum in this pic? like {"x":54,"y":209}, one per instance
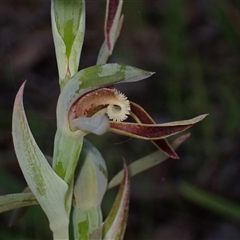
{"x":89,"y":112}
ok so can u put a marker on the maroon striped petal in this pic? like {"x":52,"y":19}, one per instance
{"x":153,"y":131}
{"x":140,"y":115}
{"x":111,"y":22}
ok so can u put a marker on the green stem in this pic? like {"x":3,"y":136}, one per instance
{"x":61,"y":234}
{"x":67,"y":148}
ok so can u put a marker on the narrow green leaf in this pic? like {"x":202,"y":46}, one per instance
{"x":115,"y":224}
{"x":16,"y":200}
{"x":48,"y":188}
{"x":146,"y":162}
{"x":217,"y":204}
{"x":19,"y":212}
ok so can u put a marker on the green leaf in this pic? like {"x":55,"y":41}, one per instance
{"x":19,"y":211}
{"x":146,"y":162}
{"x":89,"y":189}
{"x":115,"y":224}
{"x":216,"y":204}
{"x":68,"y":27}
{"x":48,"y":188}
{"x":16,"y":200}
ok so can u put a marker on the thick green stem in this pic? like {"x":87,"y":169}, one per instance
{"x":67,"y":148}
{"x":61,"y":234}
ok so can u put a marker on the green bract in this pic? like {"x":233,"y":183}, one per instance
{"x":90,"y":187}
{"x":115,"y":224}
{"x":68,"y":27}
{"x":112,"y":29}
{"x":48,"y":188}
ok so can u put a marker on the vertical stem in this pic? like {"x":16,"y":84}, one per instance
{"x":67,"y":148}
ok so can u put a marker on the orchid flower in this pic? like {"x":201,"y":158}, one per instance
{"x":88,"y":114}
{"x":89,"y":102}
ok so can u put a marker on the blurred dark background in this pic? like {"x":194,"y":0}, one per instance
{"x":194,"y":48}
